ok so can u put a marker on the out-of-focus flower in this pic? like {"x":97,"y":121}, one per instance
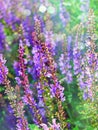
{"x":77,"y":59}
{"x":51,"y":10}
{"x":3,"y":69}
{"x":53,"y":126}
{"x":65,"y":62}
{"x":64,"y":15}
{"x":2,"y":37}
{"x":42,"y":8}
{"x":50,"y":41}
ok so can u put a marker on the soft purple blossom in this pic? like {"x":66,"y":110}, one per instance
{"x":77,"y":56}
{"x":23,"y":79}
{"x":2,"y":37}
{"x":22,"y":124}
{"x":64,"y":15}
{"x":65,"y":62}
{"x":50,"y":41}
{"x":53,"y":126}
{"x":3,"y":69}
{"x":57,"y":88}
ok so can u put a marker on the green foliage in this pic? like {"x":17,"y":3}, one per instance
{"x":1,"y":88}
{"x":34,"y":127}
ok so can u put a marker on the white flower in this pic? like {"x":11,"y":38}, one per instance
{"x":42,"y":8}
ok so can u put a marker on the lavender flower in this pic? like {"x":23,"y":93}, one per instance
{"x":3,"y":69}
{"x":9,"y":117}
{"x":65,"y":62}
{"x":45,"y":67}
{"x":50,"y":42}
{"x":2,"y":37}
{"x":15,"y":103}
{"x":86,"y":78}
{"x":54,"y":90}
{"x":76,"y":59}
{"x":84,"y":9}
{"x":28,"y":96}
{"x":64,"y":15}
{"x":53,"y":126}
{"x":65,"y":67}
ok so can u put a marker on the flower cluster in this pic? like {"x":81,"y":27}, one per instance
{"x":32,"y":40}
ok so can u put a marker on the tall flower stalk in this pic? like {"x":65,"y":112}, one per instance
{"x":65,"y":62}
{"x":14,"y":97}
{"x":89,"y":61}
{"x":28,"y":95}
{"x":46,"y":70}
{"x":64,"y":15}
{"x":40,"y":68}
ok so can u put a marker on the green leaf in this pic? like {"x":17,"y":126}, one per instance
{"x":33,"y":127}
{"x":76,"y":128}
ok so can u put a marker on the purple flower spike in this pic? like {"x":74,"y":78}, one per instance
{"x":3,"y":69}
